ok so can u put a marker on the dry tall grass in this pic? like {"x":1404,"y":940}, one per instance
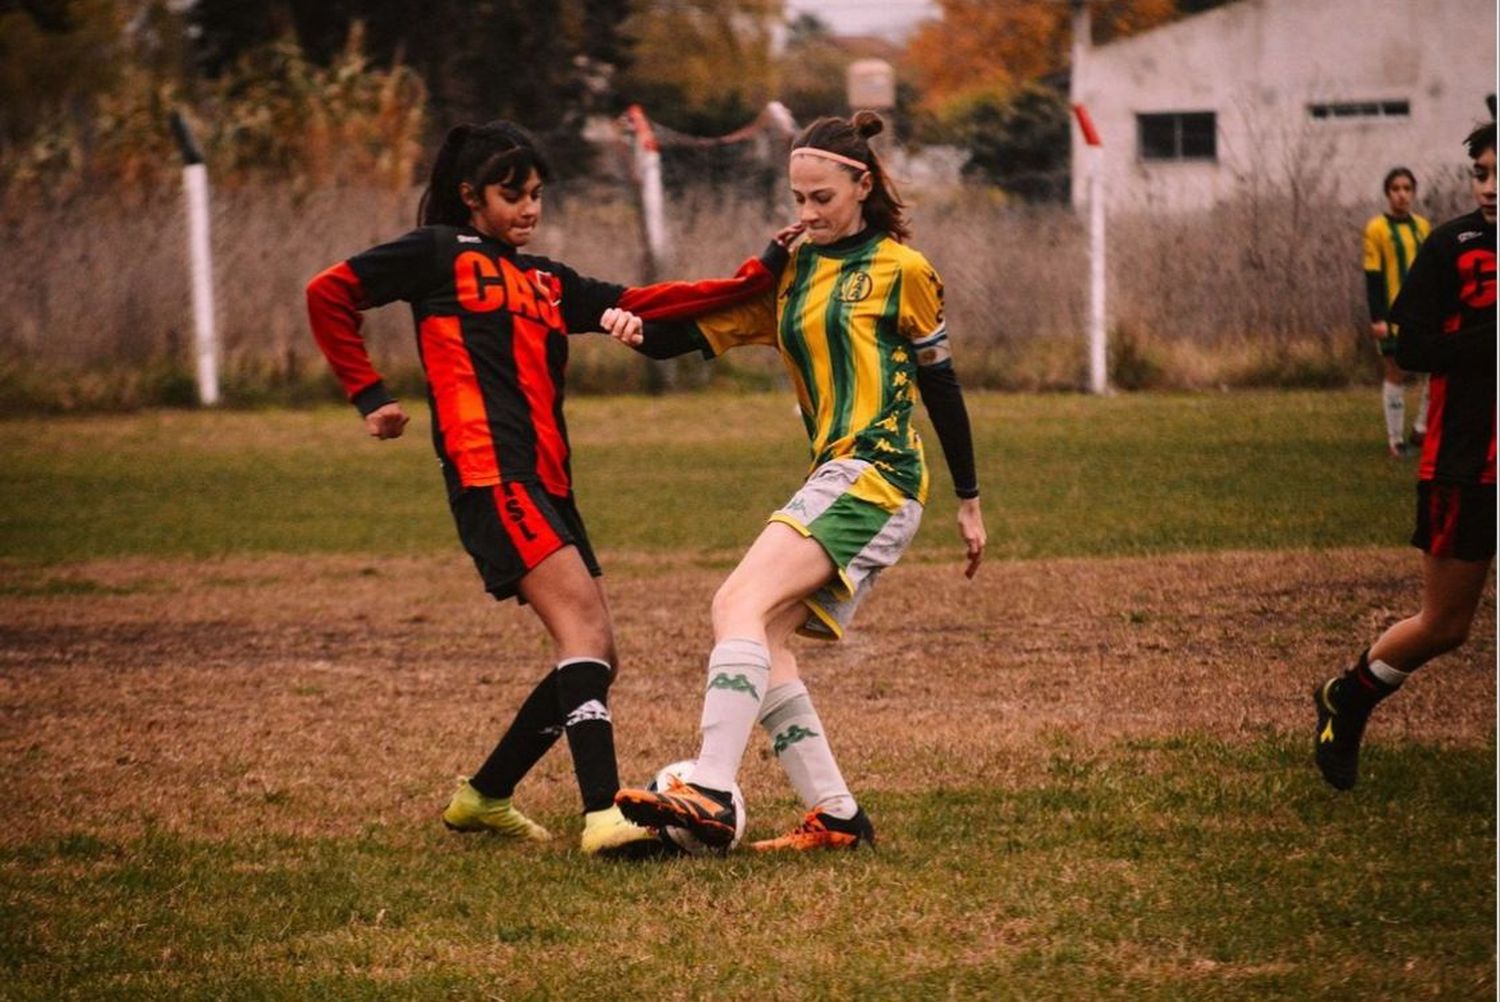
{"x":1248,"y":294}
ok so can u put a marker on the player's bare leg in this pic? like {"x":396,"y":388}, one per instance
{"x":1451,"y":590}
{"x":572,"y":606}
{"x":780,"y":568}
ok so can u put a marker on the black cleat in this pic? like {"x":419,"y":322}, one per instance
{"x":1336,"y":746}
{"x":707,"y":814}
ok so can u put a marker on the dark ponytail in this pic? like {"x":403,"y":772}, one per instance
{"x":883,"y":209}
{"x":499,"y":152}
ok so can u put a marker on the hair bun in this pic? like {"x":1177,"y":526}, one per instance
{"x":867,"y":123}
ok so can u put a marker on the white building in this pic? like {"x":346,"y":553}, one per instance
{"x":1326,"y":93}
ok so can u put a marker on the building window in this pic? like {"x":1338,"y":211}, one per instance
{"x":1329,"y":111}
{"x":1187,"y":135}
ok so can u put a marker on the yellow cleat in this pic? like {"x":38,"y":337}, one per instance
{"x":472,"y":811}
{"x":609,"y":835}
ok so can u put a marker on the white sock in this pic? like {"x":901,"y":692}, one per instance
{"x":1395,"y":412}
{"x":1419,"y":423}
{"x":801,"y":745}
{"x":738,"y":673}
{"x":1392,"y":677}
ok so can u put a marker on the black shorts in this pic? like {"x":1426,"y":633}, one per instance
{"x":1455,"y":520}
{"x":510,"y":528}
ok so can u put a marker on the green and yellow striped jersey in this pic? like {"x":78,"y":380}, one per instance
{"x":844,"y":318}
{"x":1390,"y":247}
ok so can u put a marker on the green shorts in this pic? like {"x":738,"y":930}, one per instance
{"x":863,"y":524}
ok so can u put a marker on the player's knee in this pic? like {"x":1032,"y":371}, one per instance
{"x":1446,"y":633}
{"x":734,"y":602}
{"x":588,"y":638}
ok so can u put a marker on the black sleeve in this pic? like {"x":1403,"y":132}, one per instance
{"x":584,"y":299}
{"x":404,"y":268}
{"x":944,"y":400}
{"x":670,"y":338}
{"x":1375,"y":295}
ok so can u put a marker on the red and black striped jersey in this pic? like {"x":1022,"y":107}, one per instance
{"x":1446,"y":318}
{"x":492,"y":330}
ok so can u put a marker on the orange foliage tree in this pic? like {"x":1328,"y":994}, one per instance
{"x":993,"y":46}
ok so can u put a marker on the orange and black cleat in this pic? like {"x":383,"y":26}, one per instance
{"x":708,"y":814}
{"x":823,"y":831}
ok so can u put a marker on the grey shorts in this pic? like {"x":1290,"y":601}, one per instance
{"x":864,"y":525}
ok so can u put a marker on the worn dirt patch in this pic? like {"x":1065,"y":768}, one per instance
{"x":323,"y":695}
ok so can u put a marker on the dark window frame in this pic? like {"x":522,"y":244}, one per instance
{"x":1177,"y":137}
{"x":1343,"y":111}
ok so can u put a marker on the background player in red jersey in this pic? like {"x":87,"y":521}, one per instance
{"x":1446,"y":327}
{"x":1391,"y":242}
{"x":492,"y":326}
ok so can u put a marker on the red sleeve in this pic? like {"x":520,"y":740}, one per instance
{"x":334,"y":300}
{"x":681,"y":300}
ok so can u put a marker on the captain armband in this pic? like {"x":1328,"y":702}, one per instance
{"x":933,"y":350}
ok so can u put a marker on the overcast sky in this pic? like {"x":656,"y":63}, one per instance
{"x":892,"y":18}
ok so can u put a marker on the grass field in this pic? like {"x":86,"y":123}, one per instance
{"x":242,"y":660}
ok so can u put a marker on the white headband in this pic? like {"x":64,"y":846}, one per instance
{"x":813,"y":151}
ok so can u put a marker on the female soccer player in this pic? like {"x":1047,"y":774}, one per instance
{"x":1391,"y":243}
{"x":1446,"y":326}
{"x":492,"y":327}
{"x":858,"y":320}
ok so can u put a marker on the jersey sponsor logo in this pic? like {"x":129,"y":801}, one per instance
{"x":591,"y":710}
{"x":1468,"y":235}
{"x":734,"y":683}
{"x":465,"y":238}
{"x":791,"y":736}
{"x":1476,"y":278}
{"x":853,"y":287}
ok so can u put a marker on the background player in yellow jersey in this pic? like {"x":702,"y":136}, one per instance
{"x":1391,"y":242}
{"x":858,"y":319}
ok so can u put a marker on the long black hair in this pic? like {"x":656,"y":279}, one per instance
{"x":850,"y":137}
{"x":498,"y":152}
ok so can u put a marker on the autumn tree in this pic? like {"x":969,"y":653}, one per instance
{"x":702,"y":66}
{"x":992,"y":46}
{"x":544,"y":65}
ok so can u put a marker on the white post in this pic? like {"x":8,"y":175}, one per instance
{"x":206,"y":339}
{"x":200,"y":257}
{"x":1098,"y":366}
{"x":648,"y":176}
{"x":1097,"y":329}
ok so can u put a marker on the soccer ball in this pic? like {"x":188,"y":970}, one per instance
{"x":681,"y":838}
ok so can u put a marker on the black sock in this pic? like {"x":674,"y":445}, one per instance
{"x":582,"y":698}
{"x":1358,"y":689}
{"x":536,"y":728}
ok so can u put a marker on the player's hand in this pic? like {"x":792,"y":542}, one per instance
{"x":386,"y":422}
{"x":1380,"y":330}
{"x":971,"y":528}
{"x":787,"y":234}
{"x":622,"y":325}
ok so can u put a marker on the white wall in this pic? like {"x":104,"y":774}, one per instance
{"x":1258,"y":64}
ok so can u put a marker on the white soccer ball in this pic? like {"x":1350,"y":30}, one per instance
{"x":683,"y":839}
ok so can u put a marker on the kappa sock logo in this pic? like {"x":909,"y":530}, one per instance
{"x":592,"y":710}
{"x":792,"y":735}
{"x":734,"y":683}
